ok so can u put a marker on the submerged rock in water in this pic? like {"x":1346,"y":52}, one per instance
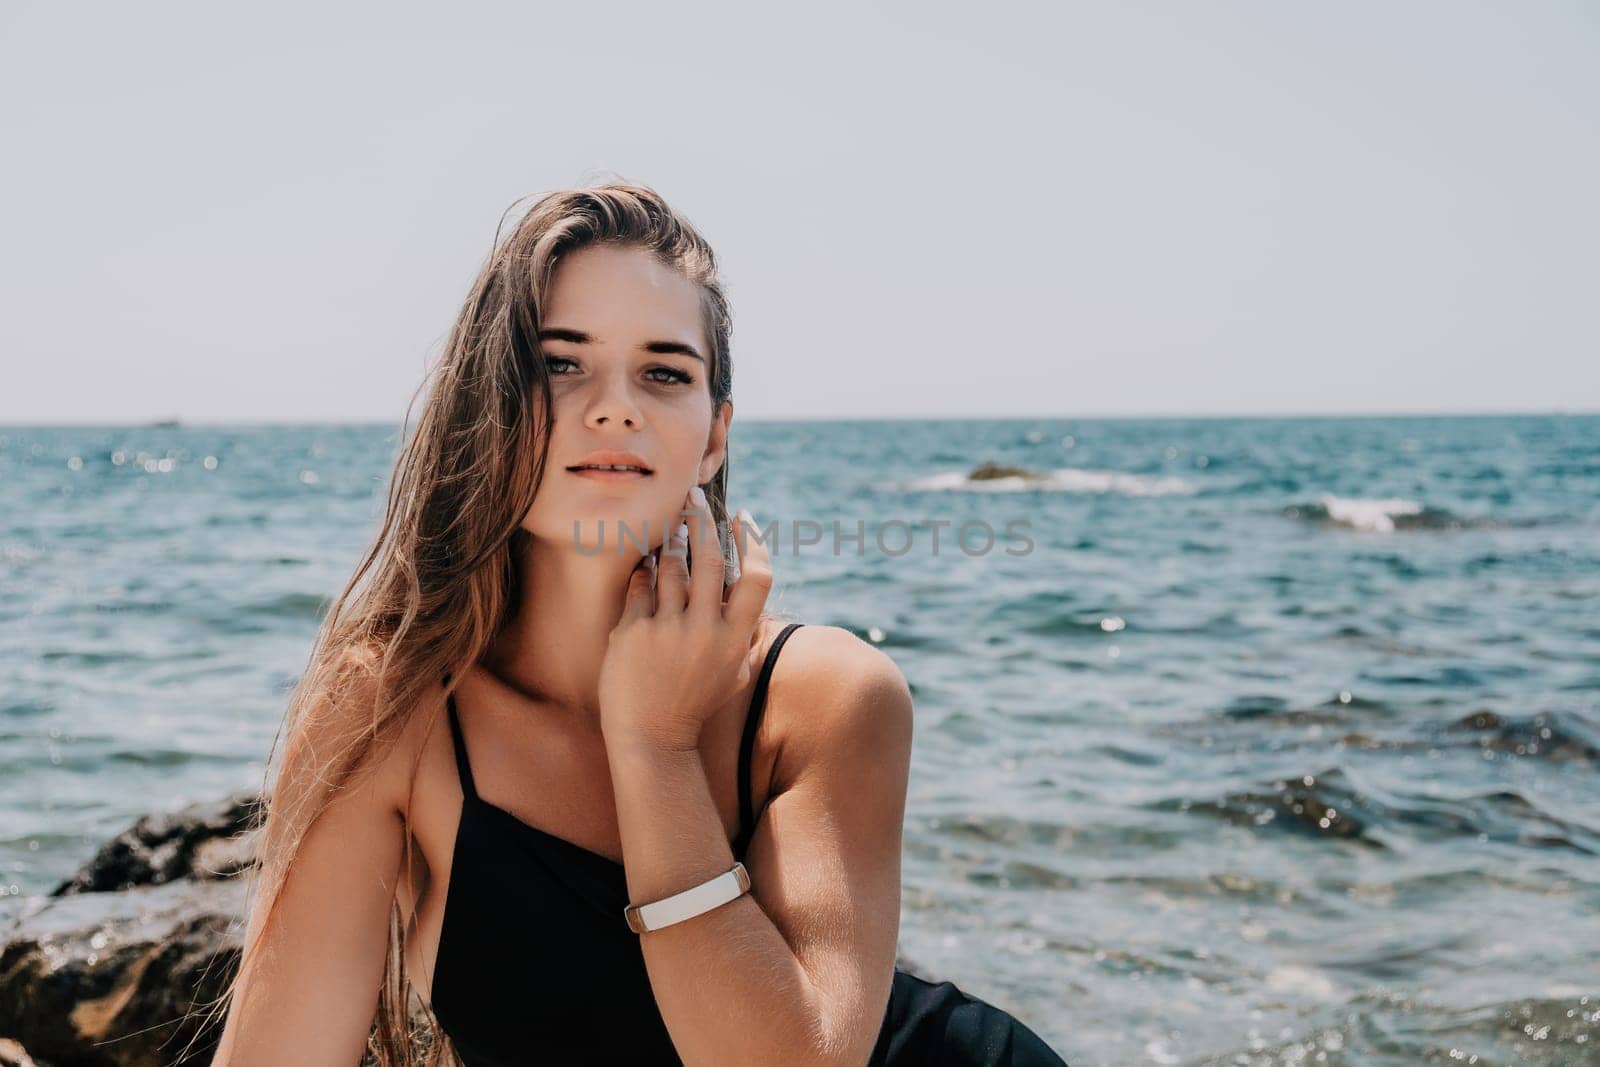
{"x":991,"y":471}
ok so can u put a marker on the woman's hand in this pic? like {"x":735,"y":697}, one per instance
{"x":679,"y":652}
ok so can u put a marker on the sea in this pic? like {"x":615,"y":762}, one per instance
{"x":1236,"y":741}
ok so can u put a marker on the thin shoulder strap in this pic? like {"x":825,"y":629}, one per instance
{"x":747,"y":744}
{"x":463,"y":766}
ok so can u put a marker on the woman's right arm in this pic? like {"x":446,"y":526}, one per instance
{"x":310,"y":995}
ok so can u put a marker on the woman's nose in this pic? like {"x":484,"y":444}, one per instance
{"x":613,"y":403}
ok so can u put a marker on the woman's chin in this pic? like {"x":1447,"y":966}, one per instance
{"x":613,"y":532}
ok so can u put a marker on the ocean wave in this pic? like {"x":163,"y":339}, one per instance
{"x":1358,"y":513}
{"x":992,"y":478}
{"x":1381,"y":514}
{"x":1543,"y":734}
{"x":1330,"y":804}
{"x":292,"y":606}
{"x":1383,"y":1026}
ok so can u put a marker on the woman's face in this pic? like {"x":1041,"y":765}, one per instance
{"x":625,"y":346}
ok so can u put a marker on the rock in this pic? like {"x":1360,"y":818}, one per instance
{"x":116,"y":965}
{"x":991,"y":471}
{"x":108,"y":978}
{"x":203,"y":841}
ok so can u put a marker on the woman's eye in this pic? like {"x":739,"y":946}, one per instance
{"x":672,"y":374}
{"x":675,"y":375}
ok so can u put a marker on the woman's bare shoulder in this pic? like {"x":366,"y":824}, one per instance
{"x":395,"y":738}
{"x":837,"y":692}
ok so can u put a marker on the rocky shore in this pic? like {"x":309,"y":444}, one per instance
{"x":104,"y":969}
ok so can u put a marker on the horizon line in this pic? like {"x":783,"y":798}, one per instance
{"x":180,"y":422}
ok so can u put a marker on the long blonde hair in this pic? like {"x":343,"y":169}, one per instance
{"x":438,"y":580}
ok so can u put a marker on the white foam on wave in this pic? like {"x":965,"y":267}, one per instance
{"x":1306,"y":982}
{"x":1372,"y":515}
{"x":1061,"y":480}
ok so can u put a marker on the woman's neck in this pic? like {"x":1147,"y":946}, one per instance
{"x":552,"y":647}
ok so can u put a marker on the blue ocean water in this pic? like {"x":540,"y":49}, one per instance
{"x":1266,"y":741}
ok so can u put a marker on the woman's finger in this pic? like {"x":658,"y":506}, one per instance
{"x":705,"y":559}
{"x":640,"y":603}
{"x":748,"y":595}
{"x":672,"y":581}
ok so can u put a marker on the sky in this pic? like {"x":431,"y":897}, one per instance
{"x":272,"y":212}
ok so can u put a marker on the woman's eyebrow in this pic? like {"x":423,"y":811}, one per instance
{"x":578,"y":337}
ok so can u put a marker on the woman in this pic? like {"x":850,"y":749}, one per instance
{"x":545,"y":769}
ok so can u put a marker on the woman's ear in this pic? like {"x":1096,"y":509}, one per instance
{"x":716,"y":444}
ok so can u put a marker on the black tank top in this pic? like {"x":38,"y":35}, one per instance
{"x":537,"y":965}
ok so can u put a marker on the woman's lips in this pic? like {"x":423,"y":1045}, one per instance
{"x":609,"y":476}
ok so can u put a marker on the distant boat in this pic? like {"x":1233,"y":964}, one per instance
{"x":167,"y":424}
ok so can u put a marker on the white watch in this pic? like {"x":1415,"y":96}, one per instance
{"x":696,"y":900}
